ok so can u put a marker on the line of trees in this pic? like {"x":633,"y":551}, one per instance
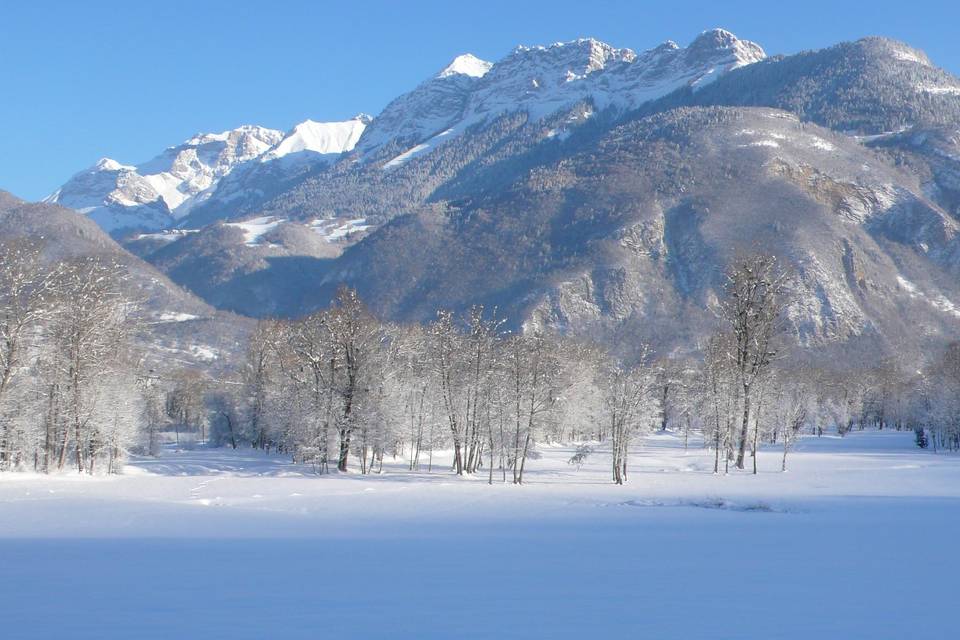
{"x":341,"y":390}
{"x":339,"y":384}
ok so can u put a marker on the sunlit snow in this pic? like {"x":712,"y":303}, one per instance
{"x":255,"y":228}
{"x":853,"y":542}
{"x":468,"y":65}
{"x":334,"y":230}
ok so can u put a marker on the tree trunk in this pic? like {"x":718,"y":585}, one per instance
{"x":523,"y":460}
{"x":663,"y":408}
{"x":744,"y":426}
{"x":344,"y":454}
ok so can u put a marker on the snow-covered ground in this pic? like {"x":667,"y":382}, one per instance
{"x":255,"y":228}
{"x":855,"y":541}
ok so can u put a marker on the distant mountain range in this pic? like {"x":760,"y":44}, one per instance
{"x":586,"y":188}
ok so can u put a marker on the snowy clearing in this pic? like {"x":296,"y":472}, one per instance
{"x":859,"y":532}
{"x":338,"y":228}
{"x":255,"y":228}
{"x":176,"y":316}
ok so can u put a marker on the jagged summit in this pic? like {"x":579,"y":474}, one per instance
{"x":717,"y":37}
{"x":154,"y":193}
{"x":539,"y":80}
{"x":543,"y":80}
{"x":719,"y":41}
{"x":157,"y":193}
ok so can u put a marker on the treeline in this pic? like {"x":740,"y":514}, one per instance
{"x":339,"y":384}
{"x":342,"y":390}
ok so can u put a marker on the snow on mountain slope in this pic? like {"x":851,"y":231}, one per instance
{"x":308,"y":145}
{"x":545,"y":80}
{"x":178,"y":327}
{"x":319,"y":138}
{"x":433,"y":106}
{"x":256,"y":228}
{"x":468,"y":65}
{"x":157,"y":193}
{"x":184,"y":171}
{"x":338,"y":229}
{"x":154,"y":194}
{"x":871,"y":87}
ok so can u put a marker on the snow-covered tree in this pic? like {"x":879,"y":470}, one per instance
{"x":752,"y":312}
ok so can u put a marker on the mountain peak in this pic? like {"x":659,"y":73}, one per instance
{"x":466,"y":65}
{"x":109,"y":164}
{"x":719,"y":38}
{"x":250,"y":131}
{"x":712,"y":41}
{"x":542,"y":80}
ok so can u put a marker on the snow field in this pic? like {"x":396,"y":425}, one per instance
{"x":853,"y":542}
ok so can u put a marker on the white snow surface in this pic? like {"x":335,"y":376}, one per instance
{"x":408,"y":154}
{"x":175,"y":316}
{"x":319,"y":138}
{"x":339,"y":228}
{"x":467,"y":65}
{"x":109,"y":164}
{"x":938,"y":89}
{"x":937,"y":300}
{"x":853,"y":542}
{"x":169,"y":235}
{"x":256,"y":228}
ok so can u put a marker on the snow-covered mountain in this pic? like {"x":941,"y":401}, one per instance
{"x":432,"y":107}
{"x":546,"y":80}
{"x":469,"y":93}
{"x":155,"y":194}
{"x":600,"y":191}
{"x":308,"y":146}
{"x":231,"y":174}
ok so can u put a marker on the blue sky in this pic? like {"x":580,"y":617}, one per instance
{"x":82,"y":80}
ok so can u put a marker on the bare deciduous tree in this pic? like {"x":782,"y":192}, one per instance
{"x":752,"y":311}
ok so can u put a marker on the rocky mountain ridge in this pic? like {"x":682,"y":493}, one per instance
{"x":598,"y":191}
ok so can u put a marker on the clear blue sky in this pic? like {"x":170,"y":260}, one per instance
{"x":82,"y":80}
